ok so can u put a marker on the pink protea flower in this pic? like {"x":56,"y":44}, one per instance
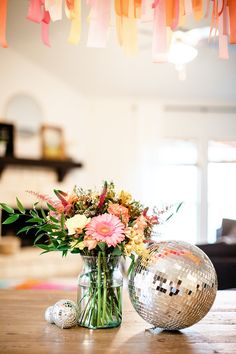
{"x":120,"y":211}
{"x":106,"y":228}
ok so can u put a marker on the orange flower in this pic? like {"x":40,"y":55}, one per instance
{"x":120,"y":211}
{"x":90,"y":242}
{"x":140,"y":223}
{"x":73,"y":198}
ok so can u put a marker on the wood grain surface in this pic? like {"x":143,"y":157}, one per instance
{"x":24,"y":330}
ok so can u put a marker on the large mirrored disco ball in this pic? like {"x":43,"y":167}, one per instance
{"x":174,"y":287}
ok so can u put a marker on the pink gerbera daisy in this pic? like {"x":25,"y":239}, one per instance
{"x":106,"y":228}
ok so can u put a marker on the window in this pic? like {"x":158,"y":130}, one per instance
{"x":221,"y":184}
{"x":196,"y":164}
{"x":175,"y":177}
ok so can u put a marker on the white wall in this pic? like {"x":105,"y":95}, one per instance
{"x":100,"y":133}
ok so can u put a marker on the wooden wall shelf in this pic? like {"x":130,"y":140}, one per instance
{"x":61,"y":167}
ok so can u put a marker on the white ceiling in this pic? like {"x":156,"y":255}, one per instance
{"x":109,"y":72}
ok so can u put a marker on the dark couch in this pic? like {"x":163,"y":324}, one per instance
{"x":223,"y":254}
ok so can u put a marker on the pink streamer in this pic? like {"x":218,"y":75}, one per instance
{"x":207,"y":8}
{"x":45,"y":28}
{"x":147,"y":11}
{"x":99,"y":23}
{"x":223,"y":39}
{"x":188,"y":7}
{"x":38,"y":14}
{"x":34,"y":11}
{"x":159,"y":45}
{"x":226,"y":23}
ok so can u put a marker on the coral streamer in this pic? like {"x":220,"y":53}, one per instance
{"x":232,"y":16}
{"x":99,"y":23}
{"x":3,"y":20}
{"x":197,"y":9}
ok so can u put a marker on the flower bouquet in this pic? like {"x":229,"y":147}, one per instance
{"x":101,"y":227}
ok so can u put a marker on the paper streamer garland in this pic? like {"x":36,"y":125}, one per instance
{"x":3,"y":18}
{"x":166,"y":16}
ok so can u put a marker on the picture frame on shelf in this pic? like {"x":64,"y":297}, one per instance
{"x":52,"y":143}
{"x":6,"y":139}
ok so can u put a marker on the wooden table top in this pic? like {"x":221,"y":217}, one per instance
{"x":24,"y":330}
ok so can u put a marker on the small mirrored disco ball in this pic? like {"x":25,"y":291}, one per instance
{"x":174,"y":287}
{"x":65,"y":313}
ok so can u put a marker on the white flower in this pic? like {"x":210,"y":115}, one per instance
{"x":76,"y":222}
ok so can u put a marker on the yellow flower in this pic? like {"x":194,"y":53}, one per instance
{"x":125,"y":197}
{"x":76,"y":244}
{"x":77,"y":222}
{"x":128,"y":249}
{"x":134,"y":235}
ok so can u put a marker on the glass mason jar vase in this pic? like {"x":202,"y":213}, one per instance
{"x":100,"y":292}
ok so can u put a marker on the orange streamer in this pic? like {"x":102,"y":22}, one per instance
{"x":182,"y":13}
{"x":197,"y":9}
{"x":172,"y":13}
{"x":128,"y":8}
{"x":3,"y":20}
{"x":232,"y":18}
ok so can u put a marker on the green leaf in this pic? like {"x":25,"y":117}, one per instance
{"x":50,"y":207}
{"x":117,"y":251}
{"x":55,"y":227}
{"x":64,"y":253}
{"x":38,"y":238}
{"x":55,"y":243}
{"x":44,"y":251}
{"x":179,"y":206}
{"x":35,"y":220}
{"x":24,"y":229}
{"x":20,"y":206}
{"x":7,"y":208}
{"x":131,"y":267}
{"x":46,"y":227}
{"x":45,"y":247}
{"x":11,"y":219}
{"x":75,"y":250}
{"x":34,"y":213}
{"x":170,"y":216}
{"x":102,"y":246}
{"x":57,"y":233}
{"x":62,"y":221}
{"x":43,"y":214}
{"x":53,"y":219}
{"x":62,"y":248}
